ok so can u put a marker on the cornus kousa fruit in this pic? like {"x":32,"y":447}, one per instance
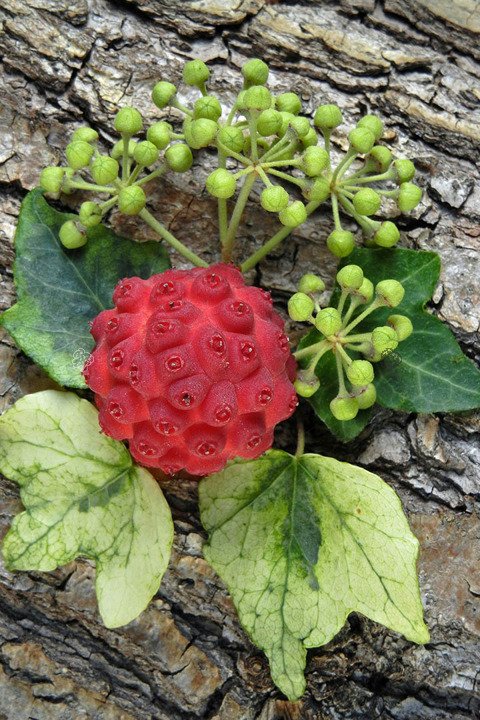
{"x":193,"y":368}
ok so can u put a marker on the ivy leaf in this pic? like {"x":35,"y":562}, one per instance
{"x":301,"y":542}
{"x":83,"y":496}
{"x":60,"y":291}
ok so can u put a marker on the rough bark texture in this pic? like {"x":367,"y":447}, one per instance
{"x":415,"y":62}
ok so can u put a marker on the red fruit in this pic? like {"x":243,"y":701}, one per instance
{"x":193,"y":368}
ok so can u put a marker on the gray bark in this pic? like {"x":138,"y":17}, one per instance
{"x":416,"y":63}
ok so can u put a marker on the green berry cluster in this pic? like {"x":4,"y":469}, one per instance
{"x":337,"y":325}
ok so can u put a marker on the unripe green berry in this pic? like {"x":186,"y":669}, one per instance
{"x":146,"y":153}
{"x":90,"y":214}
{"x":344,"y":408}
{"x":286,"y":120}
{"x":129,"y":121}
{"x":255,"y":72}
{"x":232,"y":137}
{"x":51,"y":179}
{"x":288,"y":102}
{"x":409,"y":196}
{"x":300,"y":307}
{"x":365,"y":291}
{"x":274,"y":198}
{"x":160,"y":134}
{"x":311,"y":283}
{"x":387,"y":235}
{"x":319,"y":191}
{"x":402,"y":326}
{"x":179,"y":157}
{"x":390,"y":292}
{"x":327,"y":117}
{"x":366,"y":201}
{"x":221,"y":184}
{"x":301,"y":125}
{"x":384,"y":340}
{"x":293,"y":215}
{"x":366,"y":396}
{"x":200,"y":133}
{"x":131,"y":200}
{"x":207,"y":107}
{"x":104,"y":169}
{"x":78,"y":154}
{"x":196,"y":73}
{"x":306,"y":384}
{"x":257,"y":97}
{"x":341,"y":243}
{"x":163,"y":93}
{"x":404,"y":169}
{"x":372,"y":123}
{"x":68,"y":175}
{"x":328,"y":321}
{"x":70,"y":236}
{"x":381,"y":156}
{"x":361,"y":139}
{"x":269,"y":122}
{"x":310,"y":139}
{"x":350,"y":277}
{"x":314,"y":161}
{"x":240,"y":102}
{"x":87,"y":134}
{"x":360,"y":372}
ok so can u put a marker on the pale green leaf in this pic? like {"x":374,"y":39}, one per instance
{"x":83,"y":496}
{"x":303,"y":542}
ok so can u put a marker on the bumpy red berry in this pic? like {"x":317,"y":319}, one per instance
{"x":193,"y":368}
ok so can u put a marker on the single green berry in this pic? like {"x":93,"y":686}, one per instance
{"x":404,"y":169}
{"x":131,"y":200}
{"x":78,"y":154}
{"x":87,"y":134}
{"x":269,"y":122}
{"x":129,"y":121}
{"x":221,"y":184}
{"x":360,"y":372}
{"x":344,"y":408}
{"x":274,"y":198}
{"x":409,"y":196}
{"x":384,"y":340}
{"x":207,"y":107}
{"x":179,"y":157}
{"x":288,"y":102}
{"x":104,"y":169}
{"x":341,"y":243}
{"x":286,"y":120}
{"x":200,"y":133}
{"x":319,"y":191}
{"x":306,"y":385}
{"x":390,"y":292}
{"x":146,"y":153}
{"x":372,"y":123}
{"x":367,"y":202}
{"x":327,"y":117}
{"x":195,"y":73}
{"x":310,"y":139}
{"x":70,"y":235}
{"x":365,"y":291}
{"x":361,"y":139}
{"x":311,"y":283}
{"x":301,"y":125}
{"x":68,"y":176}
{"x":90,"y":214}
{"x":402,"y":326}
{"x":366,"y":396}
{"x":314,"y":161}
{"x":163,"y":93}
{"x":240,"y":102}
{"x":328,"y":321}
{"x":255,"y":72}
{"x":232,"y":137}
{"x":381,"y":157}
{"x":300,"y":307}
{"x":350,"y":277}
{"x":160,"y":134}
{"x":51,"y":179}
{"x":387,"y":235}
{"x":257,"y":97}
{"x":293,"y":215}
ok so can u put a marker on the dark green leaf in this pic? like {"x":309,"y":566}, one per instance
{"x":60,"y":291}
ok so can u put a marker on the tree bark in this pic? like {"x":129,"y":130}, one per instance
{"x":415,"y":62}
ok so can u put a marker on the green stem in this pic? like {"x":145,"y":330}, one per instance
{"x":354,"y":303}
{"x":315,"y":349}
{"x":105,"y":207}
{"x":389,"y":175}
{"x":134,"y":175}
{"x":222,"y":203}
{"x":281,"y":163}
{"x":276,"y":148}
{"x":341,"y":379}
{"x":288,"y":178}
{"x":171,"y":239}
{"x":367,"y":225}
{"x":178,"y":105}
{"x":361,"y":337}
{"x":360,"y":347}
{"x":336,"y":214}
{"x":341,"y":302}
{"x":155,"y":174}
{"x":343,"y":166}
{"x":125,"y":157}
{"x":80,"y":185}
{"x":263,"y":175}
{"x":371,"y":308}
{"x":237,"y":216}
{"x":345,"y":357}
{"x":231,"y":153}
{"x":252,"y":125}
{"x":300,"y":439}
